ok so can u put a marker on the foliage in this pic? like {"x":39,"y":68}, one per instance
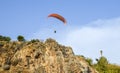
{"x":20,"y":38}
{"x":90,"y":61}
{"x":4,"y":38}
{"x":102,"y":61}
{"x":34,"y":40}
{"x":103,"y":66}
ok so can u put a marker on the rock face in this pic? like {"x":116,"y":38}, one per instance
{"x":41,"y":57}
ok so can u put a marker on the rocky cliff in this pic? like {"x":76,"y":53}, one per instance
{"x":40,"y":57}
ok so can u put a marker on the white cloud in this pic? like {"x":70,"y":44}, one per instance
{"x":95,"y":36}
{"x":88,"y":40}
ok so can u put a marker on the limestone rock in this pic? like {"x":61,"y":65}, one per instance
{"x":41,"y":57}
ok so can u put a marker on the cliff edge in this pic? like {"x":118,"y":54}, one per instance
{"x":40,"y":57}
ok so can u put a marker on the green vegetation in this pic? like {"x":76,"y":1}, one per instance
{"x":34,"y":40}
{"x":102,"y":66}
{"x":4,"y":38}
{"x":90,"y":61}
{"x":20,"y":38}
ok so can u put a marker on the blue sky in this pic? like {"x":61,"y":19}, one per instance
{"x":92,"y":25}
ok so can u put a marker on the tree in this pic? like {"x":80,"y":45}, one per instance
{"x":7,"y":39}
{"x":101,"y":52}
{"x":20,"y":38}
{"x":102,"y":64}
{"x":4,"y":38}
{"x":102,"y":61}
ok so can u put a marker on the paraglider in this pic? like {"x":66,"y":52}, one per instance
{"x":54,"y":31}
{"x":61,"y":18}
{"x":57,"y":16}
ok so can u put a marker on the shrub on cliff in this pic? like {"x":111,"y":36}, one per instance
{"x":20,"y":38}
{"x":4,"y":38}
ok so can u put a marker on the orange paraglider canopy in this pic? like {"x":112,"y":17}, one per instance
{"x":58,"y":17}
